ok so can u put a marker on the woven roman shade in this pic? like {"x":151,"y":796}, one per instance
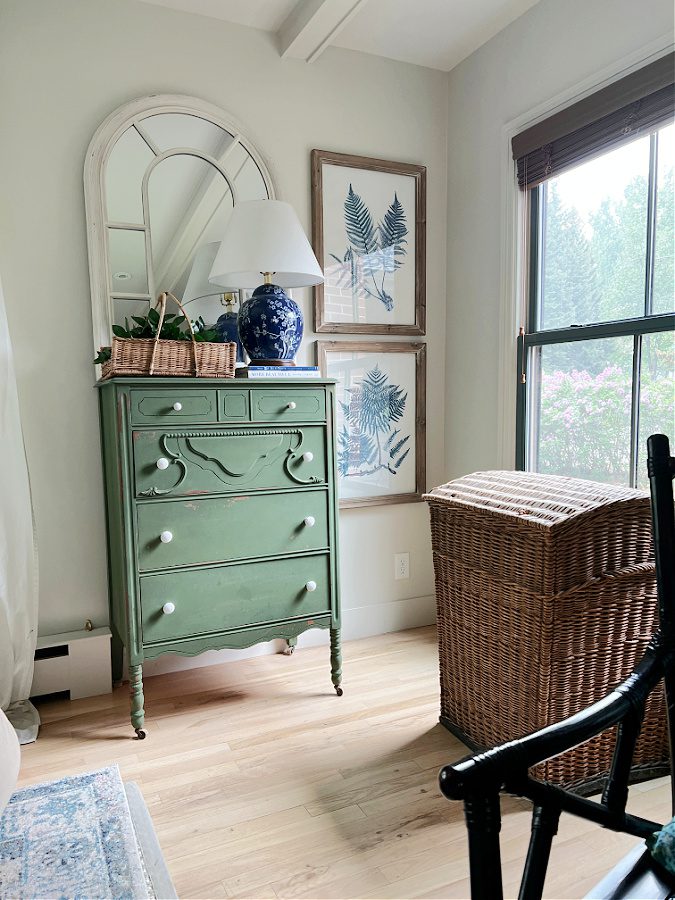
{"x":626,"y":109}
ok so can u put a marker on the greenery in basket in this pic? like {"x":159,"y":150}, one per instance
{"x":173,"y":329}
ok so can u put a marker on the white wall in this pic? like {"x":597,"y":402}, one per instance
{"x":63,"y":67}
{"x":555,"y":46}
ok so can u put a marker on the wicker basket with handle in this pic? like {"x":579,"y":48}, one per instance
{"x":155,"y":356}
{"x":546,"y":599}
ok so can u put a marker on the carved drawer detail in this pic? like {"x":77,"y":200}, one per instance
{"x":233,"y":406}
{"x":217,"y":460}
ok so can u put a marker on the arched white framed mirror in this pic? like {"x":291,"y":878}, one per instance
{"x":161,"y":177}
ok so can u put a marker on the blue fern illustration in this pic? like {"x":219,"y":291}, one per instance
{"x":359,"y":225}
{"x":374,"y":251}
{"x":369,"y":440}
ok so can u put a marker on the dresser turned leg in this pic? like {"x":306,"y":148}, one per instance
{"x":291,"y":644}
{"x":336,"y":660}
{"x":137,"y":700}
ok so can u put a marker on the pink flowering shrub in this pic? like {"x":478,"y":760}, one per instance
{"x":584,"y":427}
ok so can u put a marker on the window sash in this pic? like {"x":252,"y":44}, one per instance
{"x":533,"y":337}
{"x":527,"y":413}
{"x":618,"y":328}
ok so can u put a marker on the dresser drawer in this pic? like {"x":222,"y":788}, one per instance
{"x":220,"y":529}
{"x":233,"y":405}
{"x":195,"y":406}
{"x":292,"y":405}
{"x":217,"y":460}
{"x":220,"y":599}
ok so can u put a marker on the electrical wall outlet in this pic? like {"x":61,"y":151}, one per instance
{"x":401,"y":566}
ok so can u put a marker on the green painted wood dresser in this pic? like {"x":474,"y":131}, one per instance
{"x":222,"y":517}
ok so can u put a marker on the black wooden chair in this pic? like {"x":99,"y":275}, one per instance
{"x":478,"y":780}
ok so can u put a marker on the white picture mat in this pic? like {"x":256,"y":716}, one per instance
{"x":377,"y":190}
{"x":349,"y":368}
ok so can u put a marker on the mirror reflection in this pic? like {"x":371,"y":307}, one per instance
{"x":126,"y":252}
{"x":171,"y":182}
{"x":189,"y":203}
{"x":170,"y":130}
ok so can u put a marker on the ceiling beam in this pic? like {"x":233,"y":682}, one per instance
{"x":312,"y":24}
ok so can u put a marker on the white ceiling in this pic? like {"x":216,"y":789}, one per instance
{"x":434,"y":33}
{"x":268,"y":15}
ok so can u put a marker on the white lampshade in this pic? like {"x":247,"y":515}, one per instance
{"x":264,"y":236}
{"x":198,"y":284}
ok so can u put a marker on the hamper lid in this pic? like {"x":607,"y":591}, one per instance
{"x":542,"y":500}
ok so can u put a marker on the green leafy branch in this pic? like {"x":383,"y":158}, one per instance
{"x":173,"y":329}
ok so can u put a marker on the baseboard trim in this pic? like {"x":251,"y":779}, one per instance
{"x":359,"y":622}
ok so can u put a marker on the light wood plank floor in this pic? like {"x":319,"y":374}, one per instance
{"x":262,"y":783}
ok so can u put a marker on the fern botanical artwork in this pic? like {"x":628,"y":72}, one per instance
{"x":368,"y":218}
{"x":380,"y":419}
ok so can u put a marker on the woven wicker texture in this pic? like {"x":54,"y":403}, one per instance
{"x":155,"y":356}
{"x":546,"y":598}
{"x":132,"y":356}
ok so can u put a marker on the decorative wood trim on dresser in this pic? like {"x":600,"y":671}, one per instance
{"x":222,"y":517}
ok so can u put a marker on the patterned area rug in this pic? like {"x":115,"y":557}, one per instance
{"x":75,"y":837}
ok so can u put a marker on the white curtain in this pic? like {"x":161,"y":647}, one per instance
{"x":18,"y":556}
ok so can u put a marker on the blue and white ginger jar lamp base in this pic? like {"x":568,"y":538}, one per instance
{"x":270,"y":327}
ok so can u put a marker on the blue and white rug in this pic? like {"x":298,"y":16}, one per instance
{"x":75,"y":838}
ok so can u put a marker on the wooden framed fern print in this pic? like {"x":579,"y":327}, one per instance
{"x":380,"y":419}
{"x":369,"y":235}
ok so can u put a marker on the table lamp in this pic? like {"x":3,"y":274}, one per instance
{"x":264,"y":238}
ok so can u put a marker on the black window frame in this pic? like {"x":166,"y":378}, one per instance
{"x":533,"y":337}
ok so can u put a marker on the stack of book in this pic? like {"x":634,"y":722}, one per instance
{"x":279,"y":372}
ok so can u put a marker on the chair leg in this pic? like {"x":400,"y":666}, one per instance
{"x":615,"y":794}
{"x":483,"y":822}
{"x":544,"y":828}
{"x":661,"y":471}
{"x":669,"y":689}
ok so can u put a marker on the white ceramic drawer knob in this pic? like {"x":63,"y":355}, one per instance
{"x":177,"y":406}
{"x":166,"y":537}
{"x":168,"y":608}
{"x":162,"y":463}
{"x":291,"y":405}
{"x":308,"y":456}
{"x":310,"y":521}
{"x":310,"y":586}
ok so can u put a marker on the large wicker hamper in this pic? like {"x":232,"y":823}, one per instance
{"x":546,"y":598}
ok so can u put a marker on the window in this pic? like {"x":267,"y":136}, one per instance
{"x":597,"y":355}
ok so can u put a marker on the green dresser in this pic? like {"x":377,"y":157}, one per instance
{"x":222,"y":517}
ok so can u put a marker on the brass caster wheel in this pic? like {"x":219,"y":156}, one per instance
{"x":141,"y":734}
{"x":338,"y":691}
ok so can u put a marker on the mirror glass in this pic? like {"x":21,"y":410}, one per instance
{"x":126,"y":253}
{"x":127,"y":163}
{"x":171,"y":130}
{"x":170,"y":183}
{"x":189,"y":203}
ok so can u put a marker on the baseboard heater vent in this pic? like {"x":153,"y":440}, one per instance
{"x":77,"y":662}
